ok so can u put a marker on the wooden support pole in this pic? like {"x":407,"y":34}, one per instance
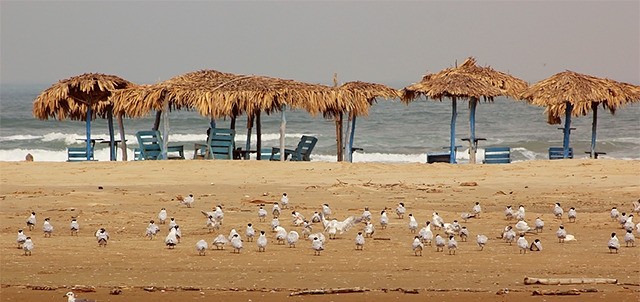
{"x":123,"y":140}
{"x":594,"y":126}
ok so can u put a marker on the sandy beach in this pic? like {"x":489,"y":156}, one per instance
{"x":123,"y":196}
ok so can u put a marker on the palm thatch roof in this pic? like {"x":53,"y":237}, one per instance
{"x":465,"y":81}
{"x":581,"y":91}
{"x":357,"y":97}
{"x":70,"y":97}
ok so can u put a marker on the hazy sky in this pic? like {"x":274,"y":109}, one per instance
{"x":392,"y":42}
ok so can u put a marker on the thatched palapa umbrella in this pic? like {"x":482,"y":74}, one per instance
{"x":570,"y":93}
{"x":82,"y":97}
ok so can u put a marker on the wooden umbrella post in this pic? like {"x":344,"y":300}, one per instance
{"x":123,"y":140}
{"x":594,"y":125}
{"x":567,"y":128}
{"x":165,"y":127}
{"x":258,"y":138}
{"x":339,"y":135}
{"x":112,"y":147}
{"x":249,"y":126}
{"x":283,"y":126}
{"x":88,"y":123}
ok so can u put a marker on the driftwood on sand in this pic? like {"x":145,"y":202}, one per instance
{"x":563,"y":281}
{"x":329,"y":291}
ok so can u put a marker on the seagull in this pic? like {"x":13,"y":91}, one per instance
{"x":232,"y":233}
{"x":152,"y":229}
{"x":172,"y":239}
{"x":47,"y":228}
{"x":614,"y":213}
{"x":466,"y":216}
{"x":188,"y":201}
{"x":628,"y":225}
{"x":464,"y":233}
{"x":281,"y":234}
{"x":508,"y":213}
{"x":326,"y":210}
{"x":366,"y":214}
{"x":71,"y":297}
{"x":359,"y":241}
{"x":284,"y":201}
{"x":557,"y":210}
{"x":31,"y":221}
{"x":317,"y":246}
{"x":400,"y":210}
{"x":219,"y":242}
{"x":275,"y":223}
{"x":425,"y":234}
{"x":476,"y":209}
{"x":417,"y":246}
{"x":27,"y":246}
{"x":522,"y":226}
{"x":298,"y":219}
{"x":319,"y":235}
{"x":481,"y":240}
{"x":437,"y":221}
{"x":172,"y":223}
{"x":614,"y":243}
{"x":523,"y":244}
{"x":561,"y":233}
{"x":636,"y":206}
{"x":536,"y":246}
{"x":250,"y":232}
{"x":334,"y":226}
{"x":261,"y":242}
{"x":622,"y":219}
{"x":572,"y":214}
{"x":452,"y":245}
{"x":275,"y":211}
{"x":307,"y":228}
{"x":201,"y":247}
{"x":102,"y":237}
{"x":413,"y":224}
{"x":316,"y":217}
{"x":262,"y":213}
{"x":521,"y":213}
{"x":74,"y":226}
{"x":162,"y":216}
{"x":439,"y":243}
{"x":539,"y":225}
{"x":21,"y":238}
{"x":629,"y":238}
{"x":292,"y":238}
{"x":510,"y":235}
{"x":369,"y":230}
{"x":218,"y":214}
{"x":212,"y":224}
{"x":236,"y":242}
{"x":384,"y":220}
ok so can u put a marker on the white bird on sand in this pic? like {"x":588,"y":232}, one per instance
{"x":539,"y":225}
{"x":315,"y":218}
{"x":188,"y":201}
{"x":476,"y":210}
{"x":464,"y":234}
{"x":162,"y":216}
{"x":437,"y":221}
{"x":629,"y":238}
{"x":236,"y":242}
{"x":400,"y":210}
{"x":172,"y":223}
{"x":510,"y":235}
{"x":520,"y":215}
{"x":250,"y":232}
{"x":622,"y":219}
{"x":172,"y":239}
{"x":522,"y":226}
{"x":262,"y":242}
{"x":218,"y":214}
{"x":201,"y":247}
{"x":452,"y":245}
{"x":523,"y":244}
{"x":561,"y":233}
{"x":102,"y":236}
{"x":262,"y":214}
{"x":359,"y":241}
{"x":31,"y":221}
{"x":152,"y":229}
{"x":340,"y":227}
{"x":275,"y":210}
{"x":71,"y":297}
{"x":636,"y":206}
{"x":536,"y":246}
{"x":366,"y":214}
{"x":614,"y":213}
{"x":413,"y":224}
{"x":281,"y":234}
{"x":212,"y":224}
{"x":439,"y":243}
{"x":326,"y":210}
{"x":614,"y":243}
{"x":284,"y":201}
{"x":232,"y":233}
{"x":572,"y":214}
{"x":628,"y":225}
{"x":307,"y":228}
{"x":317,"y":246}
{"x":27,"y":246}
{"x":481,"y":240}
{"x":384,"y":220}
{"x":508,"y":213}
{"x":275,"y":223}
{"x":320,"y":236}
{"x":21,"y":238}
{"x":417,"y":246}
{"x":369,"y":229}
{"x":219,"y":242}
{"x":557,"y":211}
{"x":47,"y":228}
{"x":425,"y":233}
{"x":466,"y":216}
{"x":292,"y":238}
{"x":74,"y":227}
{"x":298,"y":219}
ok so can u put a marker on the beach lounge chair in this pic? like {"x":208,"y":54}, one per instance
{"x":558,"y":153}
{"x":301,"y":153}
{"x":440,"y":157}
{"x":220,"y":145}
{"x":150,"y":147}
{"x":497,"y":155}
{"x":78,"y":154}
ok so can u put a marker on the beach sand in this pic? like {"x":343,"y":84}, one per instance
{"x":123,"y":196}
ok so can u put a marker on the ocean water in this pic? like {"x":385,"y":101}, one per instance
{"x":393,"y":131}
